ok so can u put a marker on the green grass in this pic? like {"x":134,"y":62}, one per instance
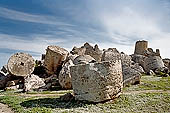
{"x":151,"y":83}
{"x":129,"y":103}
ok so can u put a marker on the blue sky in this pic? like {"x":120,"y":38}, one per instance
{"x":31,"y":25}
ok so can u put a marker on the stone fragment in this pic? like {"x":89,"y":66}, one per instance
{"x":54,"y":58}
{"x":4,"y":79}
{"x":78,"y":51}
{"x":16,"y":87}
{"x":83,"y":59}
{"x":33,"y":82}
{"x":97,"y":82}
{"x":167,"y":63}
{"x":4,"y":69}
{"x":87,"y":49}
{"x":111,"y":54}
{"x":94,"y":52}
{"x":21,"y":64}
{"x":67,"y":97}
{"x":152,"y":63}
{"x":65,"y":76}
{"x":15,"y":82}
{"x":10,"y":83}
{"x":151,"y":72}
{"x":132,"y":74}
{"x":126,"y":59}
{"x":138,"y":59}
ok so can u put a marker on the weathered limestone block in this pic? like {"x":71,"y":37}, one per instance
{"x":83,"y":59}
{"x":21,"y":64}
{"x":110,"y":55}
{"x":54,"y":58}
{"x":113,"y":54}
{"x":97,"y":82}
{"x":71,"y":57}
{"x":78,"y":51}
{"x":95,"y":52}
{"x":126,"y":59}
{"x":140,"y":47}
{"x":65,"y":76}
{"x":138,"y":59}
{"x":132,"y":74}
{"x":33,"y":82}
{"x":152,"y":63}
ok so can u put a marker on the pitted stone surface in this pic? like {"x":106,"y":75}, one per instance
{"x":140,"y":47}
{"x":33,"y":82}
{"x":78,"y":51}
{"x":138,"y":59}
{"x":83,"y":59}
{"x":131,"y":73}
{"x":109,"y":55}
{"x":167,"y":63}
{"x":54,"y":58}
{"x":65,"y":76}
{"x":152,"y":63}
{"x":97,"y":82}
{"x":21,"y":64}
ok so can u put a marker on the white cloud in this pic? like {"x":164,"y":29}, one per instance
{"x":38,"y":44}
{"x":22,"y":16}
{"x":128,"y":21}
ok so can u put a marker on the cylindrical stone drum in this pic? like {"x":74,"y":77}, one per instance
{"x":21,"y":64}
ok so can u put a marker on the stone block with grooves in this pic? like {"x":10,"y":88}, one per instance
{"x":21,"y":64}
{"x":97,"y":82}
{"x":54,"y":58}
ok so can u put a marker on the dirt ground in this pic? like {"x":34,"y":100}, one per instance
{"x":5,"y":109}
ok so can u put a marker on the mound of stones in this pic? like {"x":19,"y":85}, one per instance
{"x":150,"y":60}
{"x":94,"y":75}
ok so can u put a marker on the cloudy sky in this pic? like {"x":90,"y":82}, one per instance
{"x":31,"y":25}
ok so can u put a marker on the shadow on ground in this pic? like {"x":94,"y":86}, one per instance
{"x":52,"y":103}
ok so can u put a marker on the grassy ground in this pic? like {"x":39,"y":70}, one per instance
{"x":133,"y":100}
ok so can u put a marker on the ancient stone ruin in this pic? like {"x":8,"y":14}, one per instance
{"x":141,"y":47}
{"x":149,"y":59}
{"x":21,"y":64}
{"x":54,"y":58}
{"x":97,"y":82}
{"x":94,"y":75}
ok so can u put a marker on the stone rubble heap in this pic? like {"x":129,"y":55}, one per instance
{"x":149,"y":59}
{"x":94,"y":75}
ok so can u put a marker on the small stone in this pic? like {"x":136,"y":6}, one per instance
{"x":151,"y":72}
{"x":67,"y":97}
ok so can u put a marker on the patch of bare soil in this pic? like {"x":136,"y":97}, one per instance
{"x":5,"y":109}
